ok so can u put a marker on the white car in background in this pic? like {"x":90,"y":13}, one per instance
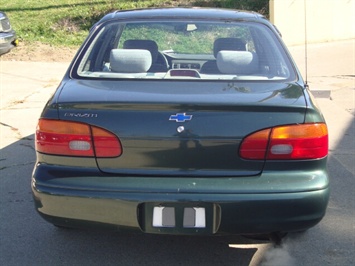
{"x":8,"y":38}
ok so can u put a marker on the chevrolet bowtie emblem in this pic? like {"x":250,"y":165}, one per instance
{"x":180,"y":117}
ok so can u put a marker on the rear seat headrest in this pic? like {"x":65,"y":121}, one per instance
{"x":237,"y":62}
{"x":130,"y":60}
{"x":230,"y":44}
{"x":149,"y":45}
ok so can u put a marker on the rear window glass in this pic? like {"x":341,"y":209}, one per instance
{"x":184,"y":50}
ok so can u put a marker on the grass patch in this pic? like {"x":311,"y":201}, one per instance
{"x":67,"y":22}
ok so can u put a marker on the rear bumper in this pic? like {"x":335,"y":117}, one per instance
{"x":125,"y":203}
{"x":231,"y":214}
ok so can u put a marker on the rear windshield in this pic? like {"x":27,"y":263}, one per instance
{"x":198,"y":50}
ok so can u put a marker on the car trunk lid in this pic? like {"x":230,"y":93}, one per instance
{"x":181,"y":128}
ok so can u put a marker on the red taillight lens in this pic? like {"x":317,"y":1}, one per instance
{"x":293,"y":142}
{"x":255,"y":145}
{"x":75,"y":139}
{"x":106,"y":144}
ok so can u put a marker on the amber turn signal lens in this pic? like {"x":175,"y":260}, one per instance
{"x":75,"y":139}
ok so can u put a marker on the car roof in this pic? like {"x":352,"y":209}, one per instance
{"x":184,"y":13}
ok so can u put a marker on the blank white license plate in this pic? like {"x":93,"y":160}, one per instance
{"x":193,"y":217}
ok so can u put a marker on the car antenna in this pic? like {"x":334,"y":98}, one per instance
{"x":305,"y":42}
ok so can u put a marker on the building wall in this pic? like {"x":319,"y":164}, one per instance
{"x":326,"y":20}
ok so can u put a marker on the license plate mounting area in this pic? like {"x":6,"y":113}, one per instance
{"x":180,"y":218}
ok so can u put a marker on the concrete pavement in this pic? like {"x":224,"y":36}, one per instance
{"x":26,"y":86}
{"x":24,"y":89}
{"x":331,"y":67}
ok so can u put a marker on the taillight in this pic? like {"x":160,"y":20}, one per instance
{"x":292,"y":142}
{"x":75,"y":139}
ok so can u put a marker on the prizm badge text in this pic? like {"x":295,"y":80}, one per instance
{"x":82,"y":115}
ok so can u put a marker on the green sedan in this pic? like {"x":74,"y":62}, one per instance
{"x":182,"y":121}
